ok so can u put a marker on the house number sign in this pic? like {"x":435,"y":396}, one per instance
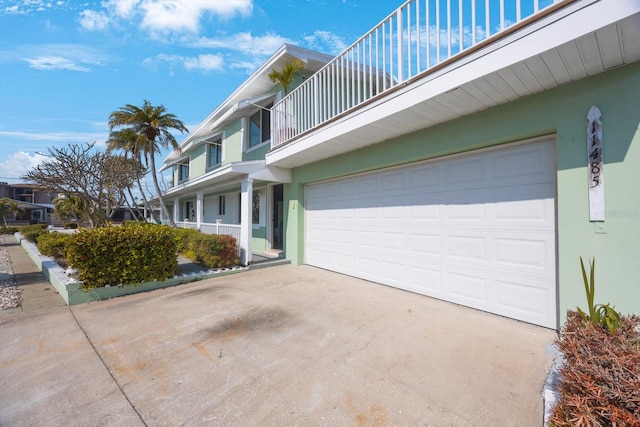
{"x":595,"y":165}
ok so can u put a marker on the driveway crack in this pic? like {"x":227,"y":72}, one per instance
{"x":106,"y":367}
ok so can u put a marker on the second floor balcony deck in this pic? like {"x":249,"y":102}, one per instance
{"x":432,"y":61}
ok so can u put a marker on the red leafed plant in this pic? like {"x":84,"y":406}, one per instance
{"x":600,"y":379}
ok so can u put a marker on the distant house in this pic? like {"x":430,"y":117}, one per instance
{"x":459,"y":153}
{"x":36,"y":202}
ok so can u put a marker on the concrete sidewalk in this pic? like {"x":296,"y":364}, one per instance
{"x":287,"y":345}
{"x":37,"y":292}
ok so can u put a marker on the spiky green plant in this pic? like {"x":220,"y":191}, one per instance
{"x":599,"y":314}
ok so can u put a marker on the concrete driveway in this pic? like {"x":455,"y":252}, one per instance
{"x":282,"y":346}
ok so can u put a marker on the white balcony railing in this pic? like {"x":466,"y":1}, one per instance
{"x":226,"y":229}
{"x":213,"y":228}
{"x":418,"y":36}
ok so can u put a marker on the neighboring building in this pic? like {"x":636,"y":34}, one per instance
{"x":36,"y":202}
{"x":473,"y":174}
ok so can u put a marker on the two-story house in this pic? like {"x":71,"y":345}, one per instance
{"x":457,"y":150}
{"x":221,"y":183}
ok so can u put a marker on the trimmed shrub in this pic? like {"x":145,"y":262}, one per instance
{"x":184,"y":239}
{"x":123,"y":255}
{"x":214,"y":250}
{"x":54,"y":244}
{"x":600,"y":379}
{"x":32,"y":232}
{"x":8,"y":229}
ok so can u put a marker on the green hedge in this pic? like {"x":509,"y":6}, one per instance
{"x":32,"y":232}
{"x":8,"y":229}
{"x":54,"y":244}
{"x":185,"y":238}
{"x":123,"y":255}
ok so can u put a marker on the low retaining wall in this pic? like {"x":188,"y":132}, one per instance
{"x":71,"y":290}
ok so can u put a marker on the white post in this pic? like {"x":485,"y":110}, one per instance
{"x":246,"y":198}
{"x":176,"y":210}
{"x":199,"y":206}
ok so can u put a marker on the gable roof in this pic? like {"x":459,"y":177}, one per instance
{"x":254,"y":90}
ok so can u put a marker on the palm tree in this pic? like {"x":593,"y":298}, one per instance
{"x":8,"y":208}
{"x":154,"y":123}
{"x":285,"y":76}
{"x":132,"y":143}
{"x":73,"y":207}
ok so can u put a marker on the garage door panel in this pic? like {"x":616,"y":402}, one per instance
{"x":467,"y":248}
{"x":425,"y":280}
{"x":477,"y":229}
{"x":467,"y":288}
{"x":393,"y":182}
{"x":518,"y":297}
{"x":464,"y":173}
{"x":427,"y":244}
{"x":425,"y":178}
{"x":524,"y":253}
{"x":522,"y":165}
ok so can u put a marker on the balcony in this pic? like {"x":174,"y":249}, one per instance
{"x":432,"y":61}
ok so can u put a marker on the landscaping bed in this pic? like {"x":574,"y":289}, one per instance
{"x":114,"y":261}
{"x":599,"y":381}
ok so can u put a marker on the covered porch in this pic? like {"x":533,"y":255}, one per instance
{"x":240,"y":199}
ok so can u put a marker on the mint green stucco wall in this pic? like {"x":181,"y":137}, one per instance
{"x":197,"y":161}
{"x":233,"y":140}
{"x":560,"y":112}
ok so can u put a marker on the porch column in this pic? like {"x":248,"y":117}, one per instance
{"x":245,"y":221}
{"x":199,"y":206}
{"x":176,"y":210}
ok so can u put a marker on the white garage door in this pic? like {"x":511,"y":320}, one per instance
{"x":476,"y":229}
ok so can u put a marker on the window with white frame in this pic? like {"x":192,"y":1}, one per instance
{"x":214,"y":153}
{"x":183,"y":172}
{"x":260,"y":127}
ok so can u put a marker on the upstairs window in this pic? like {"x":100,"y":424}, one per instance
{"x":183,"y":172}
{"x":260,"y":127}
{"x":214,"y":154}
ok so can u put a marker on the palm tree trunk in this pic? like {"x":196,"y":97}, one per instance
{"x":144,"y":197}
{"x":131,"y":211}
{"x":158,"y":191}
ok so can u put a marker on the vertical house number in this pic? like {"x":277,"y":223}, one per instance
{"x":595,"y":165}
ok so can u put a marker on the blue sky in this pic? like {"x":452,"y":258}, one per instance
{"x":65,"y":64}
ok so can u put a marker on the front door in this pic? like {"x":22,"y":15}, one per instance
{"x":277,"y":222}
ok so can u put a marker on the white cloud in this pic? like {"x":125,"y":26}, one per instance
{"x":243,"y":42}
{"x":18,"y":164}
{"x":12,"y":10}
{"x":69,"y":137}
{"x":54,"y":57}
{"x":122,"y":8}
{"x":162,"y":16}
{"x":323,"y":40}
{"x":206,"y":62}
{"x":185,"y":15}
{"x":49,"y":63}
{"x":93,"y":21}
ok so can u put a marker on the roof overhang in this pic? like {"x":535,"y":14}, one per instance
{"x":229,"y":176}
{"x":253,"y":92}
